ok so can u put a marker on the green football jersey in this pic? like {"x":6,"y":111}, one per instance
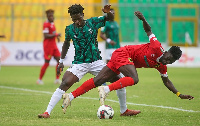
{"x":111,"y":30}
{"x":85,"y":40}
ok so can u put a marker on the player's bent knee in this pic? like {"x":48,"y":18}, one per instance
{"x":136,"y":80}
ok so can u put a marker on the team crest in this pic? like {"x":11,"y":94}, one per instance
{"x":130,"y":59}
{"x":157,"y":65}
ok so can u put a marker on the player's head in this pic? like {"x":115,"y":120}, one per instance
{"x":113,"y":12}
{"x":50,"y":15}
{"x":76,"y":13}
{"x":170,"y":56}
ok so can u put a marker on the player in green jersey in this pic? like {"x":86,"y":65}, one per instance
{"x":87,"y":57}
{"x":110,"y":33}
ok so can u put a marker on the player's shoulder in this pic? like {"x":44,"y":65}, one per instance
{"x":96,"y":18}
{"x":69,"y":26}
{"x":46,"y":23}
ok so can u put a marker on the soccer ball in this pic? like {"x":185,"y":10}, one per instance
{"x":105,"y":112}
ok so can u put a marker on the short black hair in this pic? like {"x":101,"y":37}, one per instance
{"x":75,"y":9}
{"x":176,"y":52}
{"x":49,"y":11}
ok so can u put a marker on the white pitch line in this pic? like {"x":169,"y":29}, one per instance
{"x":129,"y":103}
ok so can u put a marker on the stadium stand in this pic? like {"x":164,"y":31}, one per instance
{"x":22,"y":20}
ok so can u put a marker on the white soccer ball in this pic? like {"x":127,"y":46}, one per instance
{"x":105,"y":112}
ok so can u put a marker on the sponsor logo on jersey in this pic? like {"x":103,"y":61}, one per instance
{"x":90,"y":30}
{"x":75,"y":36}
{"x":152,"y":55}
{"x":130,"y":59}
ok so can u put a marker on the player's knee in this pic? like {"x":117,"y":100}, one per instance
{"x":136,"y":80}
{"x":98,"y":82}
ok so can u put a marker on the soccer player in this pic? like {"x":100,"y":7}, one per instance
{"x":49,"y":45}
{"x":126,"y":60}
{"x":87,"y":57}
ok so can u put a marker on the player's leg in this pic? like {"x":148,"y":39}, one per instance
{"x":47,"y":56}
{"x":43,"y":70}
{"x":56,"y":54}
{"x":68,"y":80}
{"x":131,"y":78}
{"x":57,"y":80}
{"x":102,"y":77}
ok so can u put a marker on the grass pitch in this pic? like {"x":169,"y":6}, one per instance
{"x":22,"y":100}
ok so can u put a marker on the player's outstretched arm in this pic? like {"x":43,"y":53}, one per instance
{"x":109,"y":15}
{"x":171,"y":87}
{"x":146,"y":26}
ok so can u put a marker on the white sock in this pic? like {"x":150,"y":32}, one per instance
{"x":106,"y":89}
{"x":55,"y":98}
{"x":121,"y":93}
{"x":71,"y":96}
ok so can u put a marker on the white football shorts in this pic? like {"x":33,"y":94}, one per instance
{"x":81,"y":69}
{"x":109,"y":53}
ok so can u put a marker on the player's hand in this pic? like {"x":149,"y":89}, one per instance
{"x":186,"y":97}
{"x":60,"y":68}
{"x":139,"y":15}
{"x":112,"y":42}
{"x":59,"y":35}
{"x":58,"y":39}
{"x":106,"y":9}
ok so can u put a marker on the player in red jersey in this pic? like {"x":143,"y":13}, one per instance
{"x":49,"y":45}
{"x":126,"y":60}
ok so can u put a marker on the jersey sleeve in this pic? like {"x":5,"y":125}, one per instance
{"x":163,"y":70}
{"x":153,"y":40}
{"x":45,"y":28}
{"x":67,"y":35}
{"x":98,"y":21}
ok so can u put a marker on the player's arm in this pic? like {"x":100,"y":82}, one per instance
{"x":47,"y":35}
{"x":146,"y":26}
{"x":171,"y":87}
{"x":108,"y":40}
{"x":109,"y":15}
{"x":64,"y":51}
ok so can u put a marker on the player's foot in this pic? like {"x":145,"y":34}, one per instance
{"x":102,"y":94}
{"x":130,"y":112}
{"x":39,"y":82}
{"x":57,"y":81}
{"x":44,"y":115}
{"x":66,"y":102}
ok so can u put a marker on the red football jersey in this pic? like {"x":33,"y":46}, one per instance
{"x":148,"y":55}
{"x":49,"y":27}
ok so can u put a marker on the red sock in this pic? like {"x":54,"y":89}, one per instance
{"x":85,"y":87}
{"x":43,"y":69}
{"x":57,"y":76}
{"x":121,"y":83}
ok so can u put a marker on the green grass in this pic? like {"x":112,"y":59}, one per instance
{"x":21,"y":107}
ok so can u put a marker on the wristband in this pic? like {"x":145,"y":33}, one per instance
{"x":108,"y":40}
{"x":61,"y":60}
{"x":178,"y":94}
